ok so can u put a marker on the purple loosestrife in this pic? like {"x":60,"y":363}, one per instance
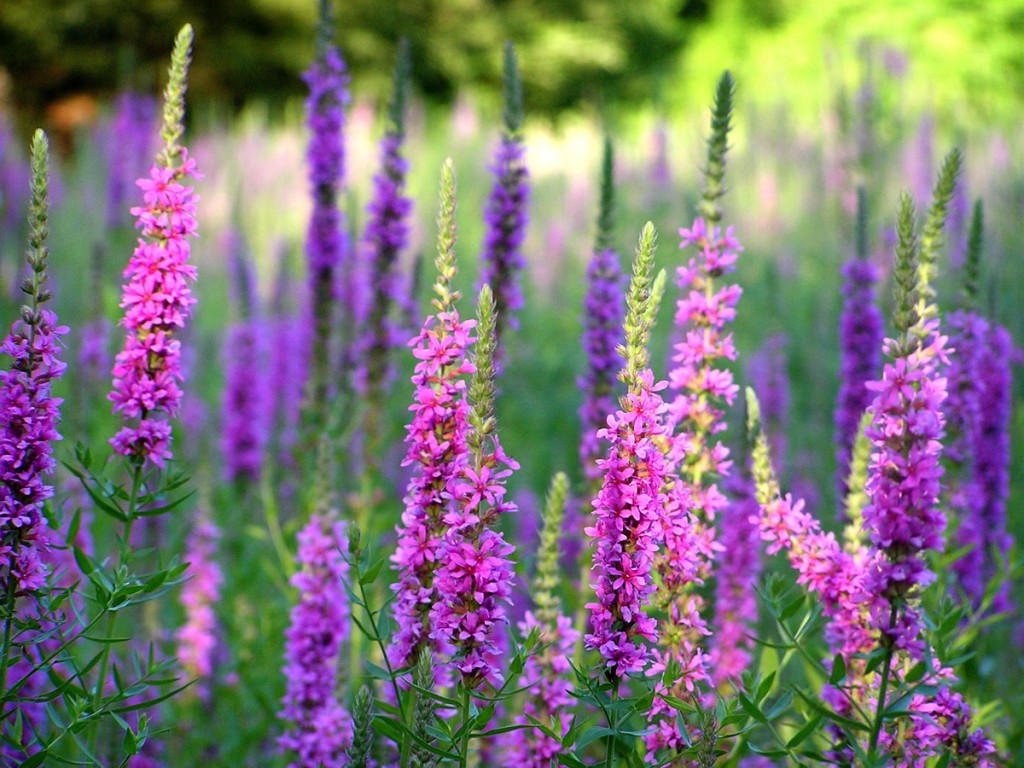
{"x":197,"y":637}
{"x":695,"y":415}
{"x":326,"y":244}
{"x":28,"y":412}
{"x":767,"y":372}
{"x":629,"y":507}
{"x":244,"y":407}
{"x":860,"y":342}
{"x":474,"y":574}
{"x":157,"y":299}
{"x":129,"y":144}
{"x":386,"y":236}
{"x":320,"y":729}
{"x":735,"y":585}
{"x":602,"y":327}
{"x":545,"y":675}
{"x":902,"y":515}
{"x":437,"y":447}
{"x":506,"y":212}
{"x":29,"y":415}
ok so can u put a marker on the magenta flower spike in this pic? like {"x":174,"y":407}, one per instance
{"x":156,"y":297}
{"x":628,"y":511}
{"x":437,"y":449}
{"x":474,"y":575}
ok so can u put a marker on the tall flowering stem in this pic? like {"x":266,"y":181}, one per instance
{"x":437,"y":447}
{"x":474,"y":579}
{"x":545,"y":673}
{"x":695,"y":415}
{"x":325,"y":240}
{"x":29,"y":415}
{"x":628,"y":509}
{"x":603,"y":310}
{"x":506,"y":212}
{"x":319,"y":729}
{"x":246,"y":407}
{"x":860,"y":342}
{"x":978,"y":412}
{"x":387,"y":233}
{"x":157,"y":299}
{"x":902,"y":513}
{"x":197,"y":637}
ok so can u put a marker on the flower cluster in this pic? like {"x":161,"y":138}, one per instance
{"x":129,"y":144}
{"x":386,"y":234}
{"x":695,"y":415}
{"x":245,"y":429}
{"x":902,"y":515}
{"x":325,"y":241}
{"x":29,"y":413}
{"x":28,"y":426}
{"x":603,"y":311}
{"x":320,"y":728}
{"x":197,"y":637}
{"x":628,"y":528}
{"x":860,"y":341}
{"x":735,"y":594}
{"x":157,"y":301}
{"x":977,"y":412}
{"x":438,"y":453}
{"x":545,"y":678}
{"x":474,"y":577}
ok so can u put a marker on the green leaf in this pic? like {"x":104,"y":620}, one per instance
{"x":752,"y":709}
{"x":800,"y":736}
{"x":370,"y":574}
{"x":838,"y":670}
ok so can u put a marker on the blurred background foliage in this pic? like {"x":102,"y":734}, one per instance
{"x":604,"y":56}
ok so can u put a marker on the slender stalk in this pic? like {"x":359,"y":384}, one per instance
{"x":876,"y":728}
{"x":464,"y":748}
{"x":8,"y":627}
{"x":123,"y":559}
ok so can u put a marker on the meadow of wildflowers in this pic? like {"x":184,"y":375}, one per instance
{"x":272,"y":488}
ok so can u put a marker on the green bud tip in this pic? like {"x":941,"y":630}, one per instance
{"x":639,"y":314}
{"x":481,"y":389}
{"x":400,"y":88}
{"x":513,"y":91}
{"x":606,"y":212}
{"x":861,"y":233}
{"x":972,"y":264}
{"x":718,"y":145}
{"x":446,"y":232}
{"x":174,"y":95}
{"x":931,"y":235}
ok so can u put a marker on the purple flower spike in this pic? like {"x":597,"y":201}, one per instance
{"x":860,"y":342}
{"x":603,"y":310}
{"x":902,"y":515}
{"x":320,"y":729}
{"x":326,"y":243}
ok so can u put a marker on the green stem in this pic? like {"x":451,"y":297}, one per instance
{"x":609,"y":755}
{"x":464,"y":748}
{"x":123,"y":558}
{"x":8,"y":627}
{"x":876,"y":728}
